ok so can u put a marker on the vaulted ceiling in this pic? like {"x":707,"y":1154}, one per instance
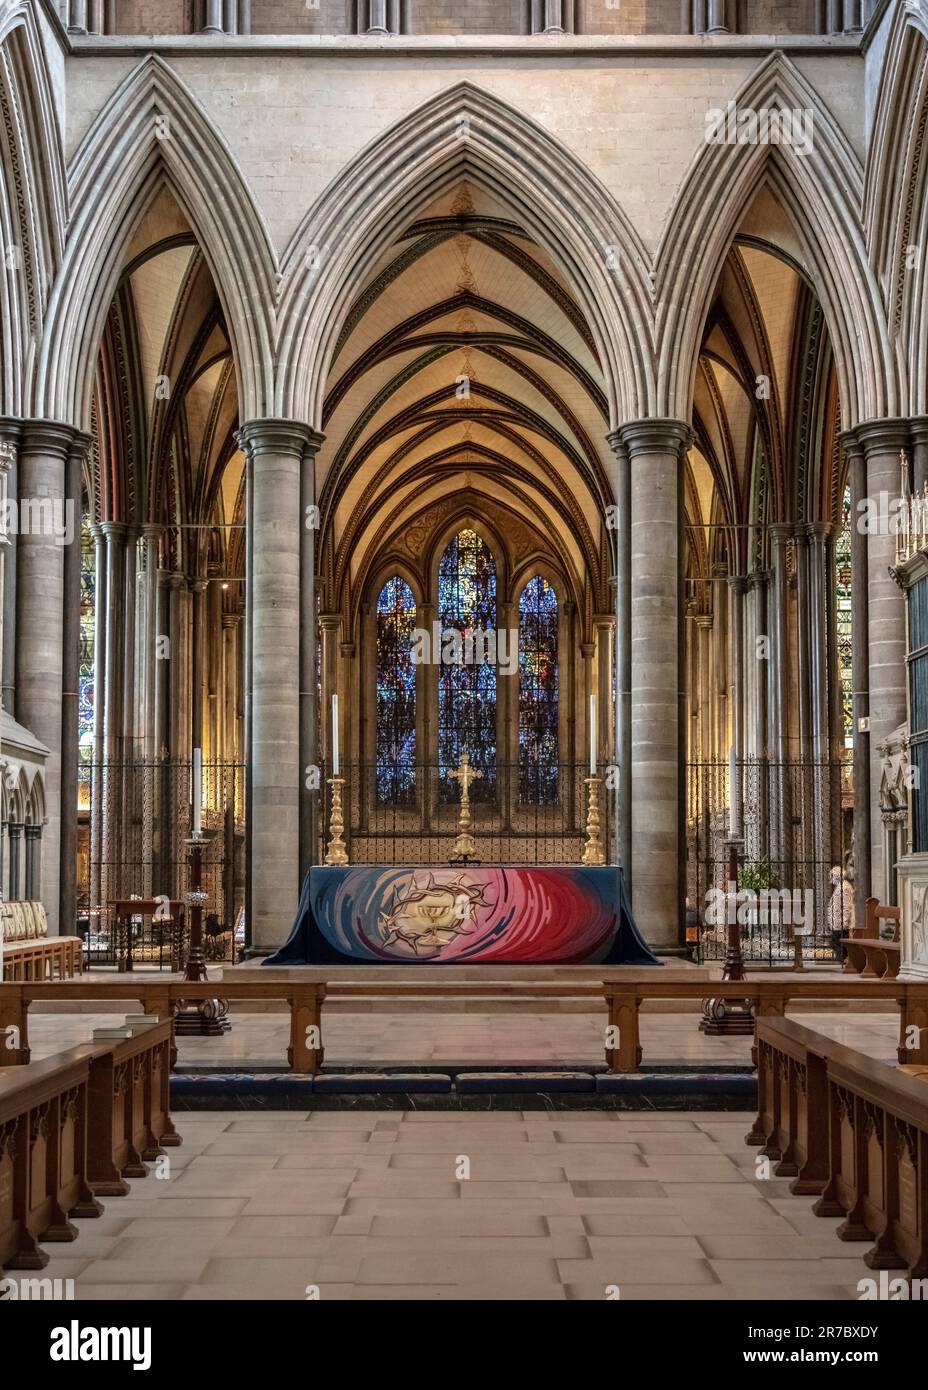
{"x":465,"y":379}
{"x":765,"y":406}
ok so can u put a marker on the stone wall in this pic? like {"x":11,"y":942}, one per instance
{"x":153,"y":16}
{"x":299,"y":17}
{"x":451,"y":17}
{"x":294,"y":122}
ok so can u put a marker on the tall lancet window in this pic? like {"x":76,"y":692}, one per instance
{"x":844,"y":578}
{"x":538,"y":694}
{"x":85,"y":685}
{"x":396,"y":694}
{"x":467,"y":680}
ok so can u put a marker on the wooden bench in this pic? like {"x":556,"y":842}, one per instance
{"x":29,"y":953}
{"x":43,"y":1156}
{"x":852,"y":1130}
{"x":72,"y":1129}
{"x":868,"y":954}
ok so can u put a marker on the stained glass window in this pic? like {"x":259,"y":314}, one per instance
{"x":396,"y":694}
{"x":843,"y":614}
{"x":85,"y":669}
{"x":538,"y":694}
{"x":466,"y":681}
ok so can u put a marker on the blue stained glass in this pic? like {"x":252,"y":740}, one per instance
{"x":396,"y":695}
{"x":538,"y":694}
{"x":467,"y":691}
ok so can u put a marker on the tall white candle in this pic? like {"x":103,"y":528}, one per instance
{"x":197,"y":788}
{"x":335,"y":762}
{"x":592,"y":735}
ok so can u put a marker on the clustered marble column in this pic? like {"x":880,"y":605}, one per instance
{"x":712,"y":17}
{"x":882,"y":443}
{"x":623,"y":652}
{"x":222,"y":16}
{"x":552,"y":16}
{"x":43,"y":460}
{"x":655,"y":452}
{"x":277,"y":451}
{"x":379,"y":17}
{"x":844,"y":16}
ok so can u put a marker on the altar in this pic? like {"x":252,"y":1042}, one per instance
{"x":448,"y":915}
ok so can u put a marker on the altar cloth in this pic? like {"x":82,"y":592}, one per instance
{"x":374,"y":915}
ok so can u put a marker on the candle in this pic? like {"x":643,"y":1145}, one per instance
{"x":335,"y":763}
{"x":197,"y":788}
{"x":592,"y":735}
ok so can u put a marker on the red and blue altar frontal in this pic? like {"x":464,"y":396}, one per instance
{"x":373,"y":915}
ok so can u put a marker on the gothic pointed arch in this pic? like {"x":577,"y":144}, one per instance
{"x":33,"y":201}
{"x":821,"y":191}
{"x":465,"y":133}
{"x":151,"y":132}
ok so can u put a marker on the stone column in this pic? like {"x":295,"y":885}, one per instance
{"x":276,"y":449}
{"x":717,"y":17}
{"x":860,"y":673}
{"x":310,"y":799}
{"x":99,"y":679}
{"x":507,"y":723}
{"x":230,"y":627}
{"x":551,"y":16}
{"x":919,"y":431}
{"x":883,"y":442}
{"x":737,"y":588}
{"x":10,"y":431}
{"x":376,"y":17}
{"x":77,"y":17}
{"x":15,"y":830}
{"x":33,"y":835}
{"x":821,"y":722}
{"x":623,"y":653}
{"x":703,"y":643}
{"x":40,"y":629}
{"x":114,"y":533}
{"x":655,"y":451}
{"x":779,"y":687}
{"x":213,"y":17}
{"x":70,"y":680}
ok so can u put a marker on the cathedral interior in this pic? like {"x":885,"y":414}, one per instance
{"x":464,"y":473}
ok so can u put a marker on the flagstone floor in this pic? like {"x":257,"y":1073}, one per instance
{"x":448,"y":1206}
{"x":471,"y":1038}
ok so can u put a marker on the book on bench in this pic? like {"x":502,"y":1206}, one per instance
{"x":109,"y":1034}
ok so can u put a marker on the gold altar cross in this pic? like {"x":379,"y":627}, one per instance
{"x":465,"y":846}
{"x":465,"y":774}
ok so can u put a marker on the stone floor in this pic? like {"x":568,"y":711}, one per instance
{"x":375,"y":1206}
{"x":435,"y":1037}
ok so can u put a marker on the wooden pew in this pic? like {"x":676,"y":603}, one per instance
{"x":870,"y":955}
{"x":792,"y":1088}
{"x":43,"y":1156}
{"x":72,"y":1128}
{"x":856,"y":1131}
{"x":130,"y":1120}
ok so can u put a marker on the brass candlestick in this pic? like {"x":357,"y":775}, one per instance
{"x":465,"y":846}
{"x":337,"y":852}
{"x":725,"y":1017}
{"x":202,"y":1018}
{"x":594,"y":852}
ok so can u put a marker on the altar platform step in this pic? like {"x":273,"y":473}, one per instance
{"x":473,"y":1087}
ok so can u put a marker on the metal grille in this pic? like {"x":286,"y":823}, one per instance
{"x":796,"y":827}
{"x":134,"y":828}
{"x":509,"y":825}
